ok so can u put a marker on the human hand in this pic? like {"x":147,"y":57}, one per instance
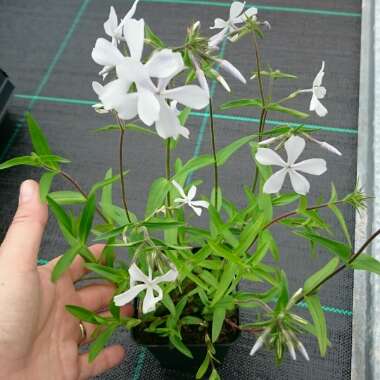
{"x":39,"y":339}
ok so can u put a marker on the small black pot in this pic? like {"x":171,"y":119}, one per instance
{"x":171,"y":358}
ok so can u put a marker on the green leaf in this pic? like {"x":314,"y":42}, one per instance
{"x":316,"y":312}
{"x":105,"y":182}
{"x":153,"y":38}
{"x":317,"y":277}
{"x":67,"y":197}
{"x":284,"y":294}
{"x":106,"y":198}
{"x":227,"y":254}
{"x":39,"y":140}
{"x":337,"y":248}
{"x":110,"y":274}
{"x":341,"y":221}
{"x":63,"y":219}
{"x":217,"y":322}
{"x":366,"y":262}
{"x":242,"y":103}
{"x":225,"y":153}
{"x":214,"y":375}
{"x":227,"y":277}
{"x":86,"y":218}
{"x":219,"y":197}
{"x":97,"y":346}
{"x":45,"y":184}
{"x":285,"y":199}
{"x":203,"y":368}
{"x":193,"y":165}
{"x":180,"y":346}
{"x":184,"y":115}
{"x":157,"y":195}
{"x":82,"y":314}
{"x":288,"y":111}
{"x":64,"y":262}
{"x":22,"y":160}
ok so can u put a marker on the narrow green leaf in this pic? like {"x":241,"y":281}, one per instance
{"x":366,"y":262}
{"x":22,"y":160}
{"x":203,"y":368}
{"x":217,"y":322}
{"x":317,"y":277}
{"x":227,"y":254}
{"x":316,"y":312}
{"x":106,"y":198}
{"x":227,"y":277}
{"x":242,"y":103}
{"x":288,"y":111}
{"x":214,"y":375}
{"x":193,"y":165}
{"x":341,"y":221}
{"x":180,"y":346}
{"x":219,"y":197}
{"x":86,"y":218}
{"x":225,"y":153}
{"x":45,"y":184}
{"x":105,"y":182}
{"x":153,"y":38}
{"x":82,"y":314}
{"x":97,"y":346}
{"x":60,"y":214}
{"x":114,"y":275}
{"x":337,"y":248}
{"x":130,"y":127}
{"x":285,"y":199}
{"x":157,"y":194}
{"x":64,"y":262}
{"x":67,"y":197}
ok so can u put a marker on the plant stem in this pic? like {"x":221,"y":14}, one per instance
{"x":350,"y":261}
{"x":292,"y":213}
{"x":262,"y":96}
{"x":69,"y":178}
{"x":168,"y":175}
{"x":213,"y":144}
{"x":122,"y":182}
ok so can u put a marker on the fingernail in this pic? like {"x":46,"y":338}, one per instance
{"x":26,"y":191}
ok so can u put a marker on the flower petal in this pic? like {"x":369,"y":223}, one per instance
{"x":168,"y":125}
{"x":150,"y":301}
{"x":111,"y":24}
{"x":203,"y":204}
{"x":134,"y":35}
{"x":169,"y":276}
{"x":180,"y":190}
{"x":236,"y":9}
{"x":319,"y":92}
{"x":275,"y":182}
{"x":319,"y":77}
{"x":231,"y":69}
{"x":191,"y":96}
{"x":126,"y":297}
{"x":248,"y":13}
{"x":148,"y":107}
{"x":219,"y":24}
{"x":137,"y":275}
{"x":300,"y":184}
{"x":315,"y":166}
{"x":134,"y":71}
{"x":318,"y":107}
{"x":127,"y":107}
{"x":105,"y":53}
{"x":216,"y":39}
{"x":112,"y":94}
{"x":266,"y":156}
{"x":164,"y":63}
{"x":197,"y":210}
{"x":191,"y":193}
{"x":294,"y":147}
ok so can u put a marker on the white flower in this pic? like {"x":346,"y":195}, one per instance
{"x":106,"y":54}
{"x":294,"y":147}
{"x":319,"y":92}
{"x":111,"y":26}
{"x":237,"y":16}
{"x":188,"y":199}
{"x":145,"y":283}
{"x":325,"y":145}
{"x":200,"y":74}
{"x":231,"y":69}
{"x":167,"y":124}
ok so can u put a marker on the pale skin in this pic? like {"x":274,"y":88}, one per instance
{"x":39,"y":339}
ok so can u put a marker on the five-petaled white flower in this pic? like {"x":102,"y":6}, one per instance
{"x":145,"y":283}
{"x":188,"y":199}
{"x":106,"y":53}
{"x":294,"y":147}
{"x":319,"y":92}
{"x":237,"y":16}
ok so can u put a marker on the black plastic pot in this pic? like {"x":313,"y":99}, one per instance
{"x":171,"y":358}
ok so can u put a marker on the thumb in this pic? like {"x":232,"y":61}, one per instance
{"x":22,"y":241}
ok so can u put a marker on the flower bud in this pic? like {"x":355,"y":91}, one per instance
{"x":260,"y":341}
{"x":231,"y":69}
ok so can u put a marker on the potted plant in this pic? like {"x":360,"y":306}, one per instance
{"x":184,"y":278}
